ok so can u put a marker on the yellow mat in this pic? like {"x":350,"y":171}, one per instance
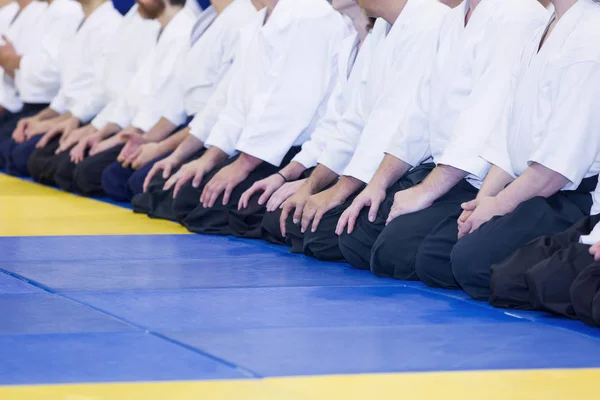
{"x":66,"y":214}
{"x":482,"y":385}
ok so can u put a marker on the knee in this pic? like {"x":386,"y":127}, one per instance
{"x":114,"y":181}
{"x":271,"y":226}
{"x":469,"y":267}
{"x":382,"y":254}
{"x":32,"y":166}
{"x":432,"y":272}
{"x":322,"y":245}
{"x":350,"y":250}
{"x":6,"y":147}
{"x":135,"y":184}
{"x":187,"y":199}
{"x":19,"y":156}
{"x":388,"y":258}
{"x":80,"y":177}
{"x":64,"y":174}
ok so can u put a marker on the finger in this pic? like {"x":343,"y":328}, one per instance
{"x":214,"y":195}
{"x":137,"y":163}
{"x":180,"y":182}
{"x":285,"y":212}
{"x":298,"y":212}
{"x":265,"y":196}
{"x":149,"y":177}
{"x":317,"y":219}
{"x":248,"y":194}
{"x":375,"y":203}
{"x":228,"y":189}
{"x":133,"y":156}
{"x":463,"y":229}
{"x":167,"y":171}
{"x":394,"y":213}
{"x":242,"y":201}
{"x":205,"y":193}
{"x":342,"y":222}
{"x":352,"y":217}
{"x":469,"y":205}
{"x":273,"y":202}
{"x":121,"y":157}
{"x":197,"y":179}
{"x":170,"y":182}
{"x":307,"y":216}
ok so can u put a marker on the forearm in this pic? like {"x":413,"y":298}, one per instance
{"x":109,"y":130}
{"x":346,"y":186}
{"x":188,"y":146}
{"x":389,"y":171}
{"x":213,"y":157}
{"x":292,"y":171}
{"x":440,"y":181}
{"x":495,"y":181}
{"x":172,"y":142}
{"x":536,"y":181}
{"x":160,"y":131}
{"x":247,"y":162}
{"x":320,"y":178}
{"x":46,"y":113}
{"x":60,"y":118}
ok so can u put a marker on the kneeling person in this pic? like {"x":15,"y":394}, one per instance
{"x":542,"y":178}
{"x":412,"y":234}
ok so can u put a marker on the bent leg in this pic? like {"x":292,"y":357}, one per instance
{"x":395,"y":251}
{"x":585,"y":295}
{"x":87,"y":177}
{"x":270,"y":228}
{"x":473,"y":256}
{"x":508,"y":286}
{"x":43,"y":162}
{"x":549,"y":281}
{"x":432,"y":263}
{"x":356,"y":247}
{"x":114,"y":181}
{"x":135,"y":184}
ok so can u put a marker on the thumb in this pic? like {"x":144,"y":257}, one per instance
{"x":469,"y":205}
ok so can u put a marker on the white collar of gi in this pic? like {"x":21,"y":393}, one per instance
{"x":205,"y":19}
{"x":409,"y":11}
{"x":99,"y":12}
{"x":287,"y":10}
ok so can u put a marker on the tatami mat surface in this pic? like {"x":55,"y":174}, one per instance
{"x":99,"y":303}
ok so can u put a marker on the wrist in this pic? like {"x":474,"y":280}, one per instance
{"x":425,"y":194}
{"x":378,"y":184}
{"x":346,"y":186}
{"x":292,"y":171}
{"x":505,"y":203}
{"x":247,"y":162}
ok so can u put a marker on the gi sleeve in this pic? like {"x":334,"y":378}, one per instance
{"x":388,"y":115}
{"x":162,"y":89}
{"x":493,"y":84}
{"x":204,"y":122}
{"x":326,"y":127}
{"x":571,"y":142}
{"x":39,"y":74}
{"x":341,"y":144}
{"x":296,"y":86}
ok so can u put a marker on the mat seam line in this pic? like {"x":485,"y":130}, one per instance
{"x":247,"y":372}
